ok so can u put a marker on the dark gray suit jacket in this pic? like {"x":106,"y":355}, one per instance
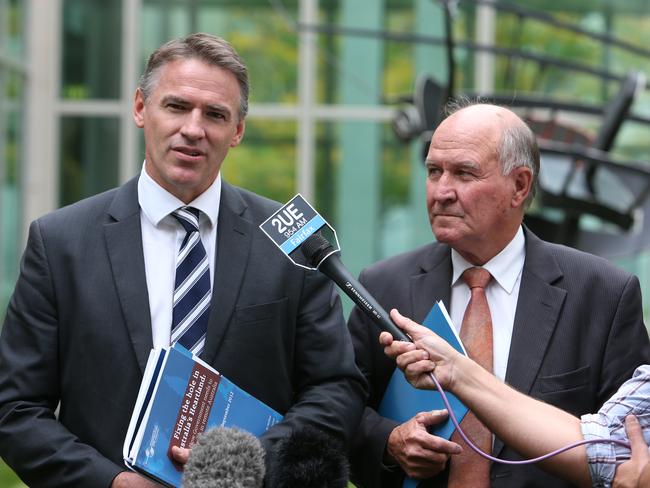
{"x":578,"y":334}
{"x":78,"y":332}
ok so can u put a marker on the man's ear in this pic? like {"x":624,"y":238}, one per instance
{"x":523,"y":182}
{"x":239,"y":134}
{"x":138,"y":109}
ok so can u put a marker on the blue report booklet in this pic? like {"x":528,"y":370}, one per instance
{"x":181,"y":396}
{"x":402,"y":401}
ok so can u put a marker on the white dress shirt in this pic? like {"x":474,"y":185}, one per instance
{"x":502,"y":294}
{"x":162,"y":235}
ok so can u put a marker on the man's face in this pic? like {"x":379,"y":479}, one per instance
{"x":471,"y":205}
{"x":190,"y":120}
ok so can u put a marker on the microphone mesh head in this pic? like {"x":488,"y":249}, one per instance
{"x":309,"y":458}
{"x":225,"y":457}
{"x":315,"y":248}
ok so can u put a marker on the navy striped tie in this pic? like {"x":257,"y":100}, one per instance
{"x":192,"y":285}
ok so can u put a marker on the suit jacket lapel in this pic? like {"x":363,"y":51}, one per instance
{"x":234,"y":236}
{"x":433,"y":283}
{"x":538,"y":310}
{"x":124,"y":244}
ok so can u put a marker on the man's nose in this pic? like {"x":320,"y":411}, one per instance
{"x":193,"y":125}
{"x":443,"y":189}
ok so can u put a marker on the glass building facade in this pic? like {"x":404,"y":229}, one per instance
{"x":13,"y":75}
{"x":327,"y":76}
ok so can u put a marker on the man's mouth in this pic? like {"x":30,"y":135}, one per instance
{"x":188,"y":151}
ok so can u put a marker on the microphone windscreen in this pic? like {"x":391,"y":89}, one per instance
{"x":315,"y":249}
{"x":225,"y":457}
{"x":309,"y":458}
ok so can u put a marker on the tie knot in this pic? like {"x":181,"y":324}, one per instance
{"x":477,"y":277}
{"x":188,"y":218}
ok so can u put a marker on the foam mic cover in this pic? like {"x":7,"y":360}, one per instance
{"x":225,"y":457}
{"x":309,"y":458}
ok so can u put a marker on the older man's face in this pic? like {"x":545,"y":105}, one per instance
{"x":472,"y":206}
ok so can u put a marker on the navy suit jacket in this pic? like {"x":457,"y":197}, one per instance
{"x":78,"y":333}
{"x":578,"y":334}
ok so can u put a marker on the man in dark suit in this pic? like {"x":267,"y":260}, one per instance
{"x":567,"y":327}
{"x":97,"y":279}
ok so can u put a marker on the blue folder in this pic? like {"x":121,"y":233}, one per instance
{"x":401,"y":401}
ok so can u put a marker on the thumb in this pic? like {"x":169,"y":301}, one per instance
{"x":432,"y":417}
{"x":413,"y":329}
{"x":635,"y":434}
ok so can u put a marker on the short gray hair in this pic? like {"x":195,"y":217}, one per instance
{"x":517,"y":147}
{"x":212,"y":49}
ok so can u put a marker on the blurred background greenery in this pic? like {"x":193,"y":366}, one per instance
{"x":7,"y":477}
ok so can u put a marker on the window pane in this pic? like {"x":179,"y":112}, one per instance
{"x":12,"y":17}
{"x":393,"y":233}
{"x":259,"y":33}
{"x":89,"y":157}
{"x":91,"y":58}
{"x":10,"y":158}
{"x":265,"y":160}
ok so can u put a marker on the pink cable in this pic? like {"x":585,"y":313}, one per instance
{"x":506,"y":461}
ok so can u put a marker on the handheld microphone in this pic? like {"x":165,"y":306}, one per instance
{"x":309,"y":458}
{"x":225,"y":457}
{"x":321,"y":254}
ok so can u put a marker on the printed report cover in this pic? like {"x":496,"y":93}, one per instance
{"x":180,"y":397}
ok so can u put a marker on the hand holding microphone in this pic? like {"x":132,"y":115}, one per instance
{"x":427,"y":354}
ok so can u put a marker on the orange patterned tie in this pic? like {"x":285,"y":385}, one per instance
{"x":469,"y":469}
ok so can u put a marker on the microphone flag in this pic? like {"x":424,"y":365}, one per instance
{"x":292,"y":224}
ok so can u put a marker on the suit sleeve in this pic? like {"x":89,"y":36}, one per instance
{"x":329,"y":391}
{"x":371,"y":437}
{"x":619,"y":359}
{"x":41,"y":450}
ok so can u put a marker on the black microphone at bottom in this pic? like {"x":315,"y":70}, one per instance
{"x":319,"y":253}
{"x":225,"y":457}
{"x":309,"y":458}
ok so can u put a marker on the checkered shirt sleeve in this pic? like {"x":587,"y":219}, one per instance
{"x":633,"y":397}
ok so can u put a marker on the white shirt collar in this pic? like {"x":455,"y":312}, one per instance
{"x":157,"y":203}
{"x":505,"y":267}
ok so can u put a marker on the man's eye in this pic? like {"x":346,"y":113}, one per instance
{"x":216,"y":115}
{"x":174,"y":106}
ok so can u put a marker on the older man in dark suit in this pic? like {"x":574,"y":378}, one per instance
{"x":555,"y":323}
{"x":99,"y":287}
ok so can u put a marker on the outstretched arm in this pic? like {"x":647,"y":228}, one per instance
{"x":531,"y":427}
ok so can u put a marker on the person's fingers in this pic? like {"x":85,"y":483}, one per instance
{"x":635,"y":436}
{"x":432,"y":417}
{"x":413,"y":329}
{"x":433,"y":442}
{"x":385,"y":339}
{"x":398,"y":348}
{"x":180,"y":455}
{"x":419,"y":368}
{"x":407,"y":355}
{"x":404,"y":360}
